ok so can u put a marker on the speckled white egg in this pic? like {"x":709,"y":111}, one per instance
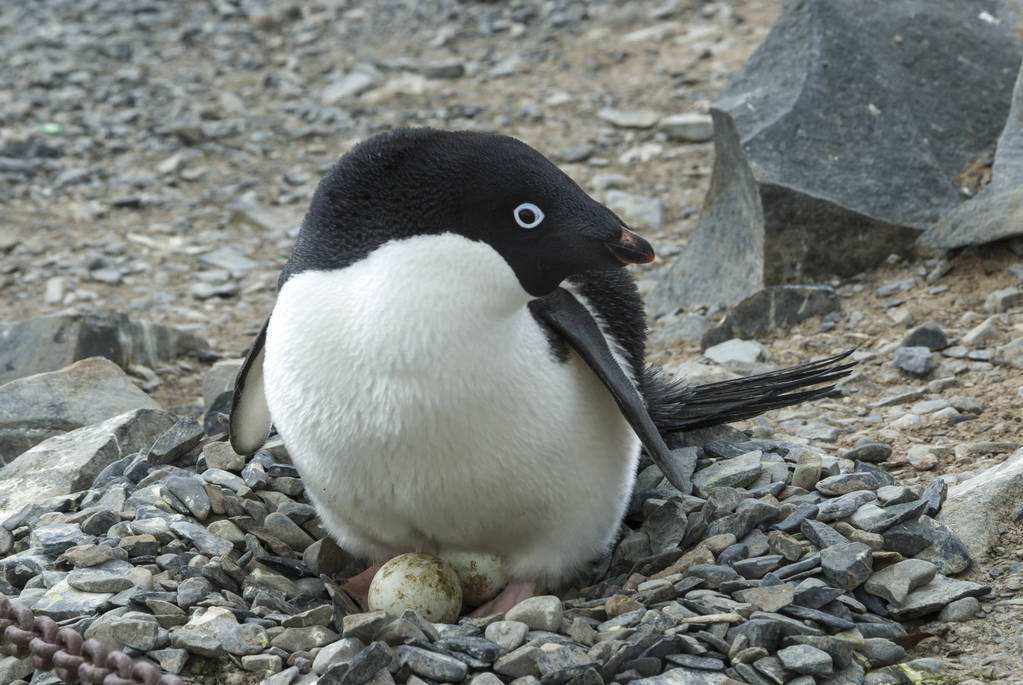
{"x":482,"y":575}
{"x":419,"y":582}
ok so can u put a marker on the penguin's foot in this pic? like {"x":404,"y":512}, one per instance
{"x":358,"y":585}
{"x":514,"y":593}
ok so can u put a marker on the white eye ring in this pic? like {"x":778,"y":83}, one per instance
{"x":528,"y":207}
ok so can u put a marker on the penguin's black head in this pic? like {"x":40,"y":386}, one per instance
{"x":485,"y":187}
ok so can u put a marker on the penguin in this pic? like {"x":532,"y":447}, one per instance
{"x":456,"y":361}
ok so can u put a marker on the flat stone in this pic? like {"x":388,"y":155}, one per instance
{"x":620,"y":118}
{"x":121,"y":629}
{"x":188,"y":493}
{"x":935,"y":595}
{"x":70,"y":462}
{"x":204,"y":541}
{"x":689,"y":127}
{"x":287,"y":531}
{"x":844,"y":483}
{"x":216,"y":632}
{"x":814,"y":593}
{"x":304,"y":639}
{"x":736,"y":472}
{"x":38,"y":407}
{"x":768,"y":598}
{"x":847,"y":565}
{"x":895,"y":582}
{"x":736,"y":351}
{"x":881,"y":652}
{"x":841,"y":507}
{"x":821,"y":535}
{"x":872,"y":453}
{"x":62,"y":602}
{"x":267,"y":664}
{"x":339,"y":652}
{"x":519,"y":663}
{"x":806,"y":659}
{"x":875,"y":519}
{"x":931,"y":541}
{"x":364,"y":626}
{"x":347,"y":86}
{"x":176,"y":441}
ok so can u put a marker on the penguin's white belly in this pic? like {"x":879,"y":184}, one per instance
{"x":423,"y":407}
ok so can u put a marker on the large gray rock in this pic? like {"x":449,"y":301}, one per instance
{"x":980,"y":509}
{"x":38,"y":407}
{"x":49,"y":343}
{"x":771,"y":309}
{"x":996,"y":212}
{"x":840,"y":142}
{"x":70,"y":462}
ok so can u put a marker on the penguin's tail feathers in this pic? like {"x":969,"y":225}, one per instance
{"x":674,"y":405}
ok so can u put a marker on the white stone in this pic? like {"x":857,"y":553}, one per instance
{"x":736,"y":351}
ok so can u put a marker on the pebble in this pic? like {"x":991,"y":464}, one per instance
{"x":806,"y":660}
{"x":960,"y":610}
{"x":638,"y":119}
{"x":916,"y":361}
{"x":509,"y":634}
{"x":690,"y":127}
{"x":538,"y":613}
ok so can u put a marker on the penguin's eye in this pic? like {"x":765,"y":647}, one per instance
{"x":528,"y":215}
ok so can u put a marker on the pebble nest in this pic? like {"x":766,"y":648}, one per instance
{"x":779,"y":564}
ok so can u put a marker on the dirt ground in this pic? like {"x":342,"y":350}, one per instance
{"x":209,"y":130}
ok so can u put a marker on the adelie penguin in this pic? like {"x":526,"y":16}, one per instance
{"x":455,"y":360}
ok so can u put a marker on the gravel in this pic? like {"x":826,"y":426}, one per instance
{"x":185,"y":223}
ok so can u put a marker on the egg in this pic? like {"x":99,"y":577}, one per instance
{"x":419,"y":582}
{"x":482,"y":575}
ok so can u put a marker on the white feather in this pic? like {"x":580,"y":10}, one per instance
{"x":423,"y":407}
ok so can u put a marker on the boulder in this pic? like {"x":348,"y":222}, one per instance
{"x":852,"y":150}
{"x":38,"y":407}
{"x":996,"y":212}
{"x":771,"y":309}
{"x":49,"y":343}
{"x":980,"y":509}
{"x":70,"y":462}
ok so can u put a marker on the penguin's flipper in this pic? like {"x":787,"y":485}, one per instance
{"x":565,"y":314}
{"x":249,"y":425}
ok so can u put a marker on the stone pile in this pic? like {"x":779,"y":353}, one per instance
{"x":778,"y":564}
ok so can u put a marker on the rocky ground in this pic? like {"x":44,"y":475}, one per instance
{"x":155,"y":161}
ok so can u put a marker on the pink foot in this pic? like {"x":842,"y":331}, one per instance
{"x":358,"y":586}
{"x":514,"y":593}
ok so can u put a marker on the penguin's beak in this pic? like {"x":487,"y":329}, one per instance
{"x":629,"y":248}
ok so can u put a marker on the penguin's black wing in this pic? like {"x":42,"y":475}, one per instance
{"x":563,"y":312}
{"x":674,"y":405}
{"x":249,"y":425}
